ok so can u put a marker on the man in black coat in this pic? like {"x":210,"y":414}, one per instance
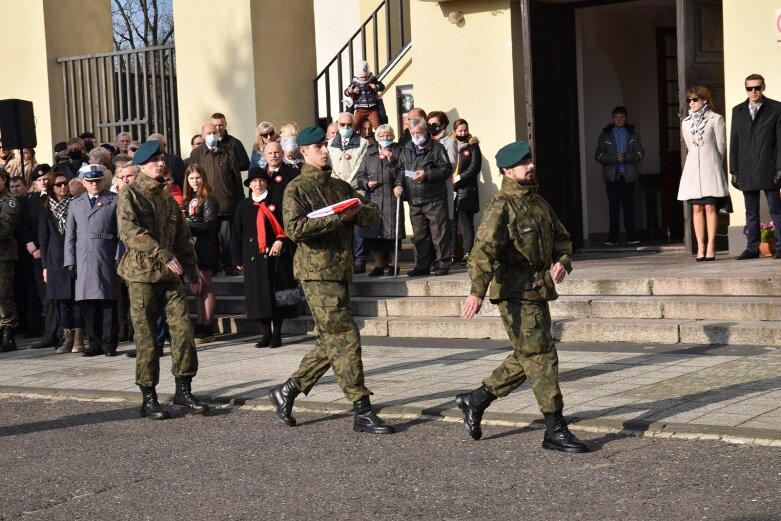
{"x":755,"y":160}
{"x":220,"y":125}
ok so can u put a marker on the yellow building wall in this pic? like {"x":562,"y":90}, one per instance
{"x":466,"y":74}
{"x":752,"y":44}
{"x":32,"y":38}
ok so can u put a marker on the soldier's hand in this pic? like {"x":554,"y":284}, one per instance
{"x":472,"y":306}
{"x":72,"y":272}
{"x":735,"y":181}
{"x":558,"y":272}
{"x":350,"y":214}
{"x":174,"y":266}
{"x":195,"y":287}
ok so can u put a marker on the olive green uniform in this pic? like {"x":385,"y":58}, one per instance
{"x":323,"y":263}
{"x":9,"y":213}
{"x":154,"y":232}
{"x":521,"y":233}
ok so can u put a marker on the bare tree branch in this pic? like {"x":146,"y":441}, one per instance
{"x":142,"y":23}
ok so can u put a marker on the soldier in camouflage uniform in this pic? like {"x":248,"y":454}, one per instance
{"x":9,"y":213}
{"x":323,"y":263}
{"x":159,"y":251}
{"x":520,"y":232}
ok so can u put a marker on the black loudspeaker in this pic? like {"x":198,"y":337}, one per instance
{"x":17,"y":124}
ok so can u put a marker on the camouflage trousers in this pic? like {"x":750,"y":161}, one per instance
{"x":8,"y":314}
{"x":146,"y":301}
{"x":534,"y":354}
{"x":338,"y":342}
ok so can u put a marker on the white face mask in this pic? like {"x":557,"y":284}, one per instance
{"x":346,"y":133}
{"x":211,"y":140}
{"x":419,"y":140}
{"x":259,"y":198}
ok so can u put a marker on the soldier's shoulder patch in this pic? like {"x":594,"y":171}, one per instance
{"x":173,"y":217}
{"x":12,"y":202}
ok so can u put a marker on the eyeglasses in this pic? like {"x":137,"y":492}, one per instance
{"x":60,"y":184}
{"x":267,"y":135}
{"x":692,"y":100}
{"x":753,"y":88}
{"x":345,"y":125}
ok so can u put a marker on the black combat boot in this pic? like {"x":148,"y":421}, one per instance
{"x":276,"y":334}
{"x":283,"y":396}
{"x":366,"y":420}
{"x":558,"y":437}
{"x":151,"y":407}
{"x":184,"y":396}
{"x":8,"y":343}
{"x":472,"y":405}
{"x":265,"y":334}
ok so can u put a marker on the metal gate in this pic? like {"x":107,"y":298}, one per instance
{"x":123,"y":91}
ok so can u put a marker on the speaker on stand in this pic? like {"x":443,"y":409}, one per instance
{"x":17,"y":126}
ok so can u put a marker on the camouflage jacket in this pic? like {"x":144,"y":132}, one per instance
{"x":325,"y":245}
{"x":9,"y":213}
{"x":154,"y":232}
{"x":520,"y":233}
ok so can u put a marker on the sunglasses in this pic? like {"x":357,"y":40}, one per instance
{"x":692,"y":100}
{"x":60,"y":184}
{"x":267,"y":135}
{"x":754,"y":88}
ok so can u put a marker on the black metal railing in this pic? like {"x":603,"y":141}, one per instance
{"x":389,"y":25}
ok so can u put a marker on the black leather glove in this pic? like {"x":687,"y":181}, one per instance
{"x":72,"y":272}
{"x":777,"y":178}
{"x":735,"y":181}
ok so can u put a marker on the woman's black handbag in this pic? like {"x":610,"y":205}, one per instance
{"x":288,"y":297}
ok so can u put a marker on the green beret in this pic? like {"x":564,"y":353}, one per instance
{"x":146,"y":152}
{"x":310,"y":136}
{"x":512,"y":154}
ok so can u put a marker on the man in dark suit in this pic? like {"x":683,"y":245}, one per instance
{"x":755,"y":160}
{"x":220,"y":125}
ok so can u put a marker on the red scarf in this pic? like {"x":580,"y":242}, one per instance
{"x":260,"y":222}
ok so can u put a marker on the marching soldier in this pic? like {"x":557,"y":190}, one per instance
{"x":158,"y":252}
{"x":521,"y":233}
{"x":323,"y":264}
{"x":9,"y":213}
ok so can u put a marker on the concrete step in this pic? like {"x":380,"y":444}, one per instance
{"x":650,"y":307}
{"x":651,"y":331}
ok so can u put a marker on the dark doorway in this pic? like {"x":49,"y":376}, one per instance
{"x":554,"y":73}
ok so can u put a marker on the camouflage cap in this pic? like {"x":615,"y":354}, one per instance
{"x":310,"y":136}
{"x":146,"y":152}
{"x":512,"y":154}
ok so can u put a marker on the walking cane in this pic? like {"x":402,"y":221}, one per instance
{"x":396,"y":241}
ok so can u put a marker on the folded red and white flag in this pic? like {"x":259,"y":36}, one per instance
{"x":334,"y":208}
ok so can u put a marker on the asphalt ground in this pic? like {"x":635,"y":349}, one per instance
{"x":63,"y":459}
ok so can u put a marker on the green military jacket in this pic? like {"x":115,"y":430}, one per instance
{"x":325,"y":245}
{"x":9,"y":213}
{"x":153,"y":230}
{"x":521,"y":233}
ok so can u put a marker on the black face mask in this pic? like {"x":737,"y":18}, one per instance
{"x":463,"y":139}
{"x":88,"y":146}
{"x":75,"y":154}
{"x":434,"y":130}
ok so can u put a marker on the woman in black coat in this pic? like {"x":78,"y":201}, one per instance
{"x":59,"y":282}
{"x":465,"y":176}
{"x":378,"y":175}
{"x":268,"y":267}
{"x":201,"y":209}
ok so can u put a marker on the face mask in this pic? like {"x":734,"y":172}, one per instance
{"x":289,"y":144}
{"x":74,"y":154}
{"x":385,"y":143}
{"x":419,"y":140}
{"x":463,"y":139}
{"x":434,"y":130}
{"x":211,"y":140}
{"x":346,"y":133}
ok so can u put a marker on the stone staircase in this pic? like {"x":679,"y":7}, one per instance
{"x":718,"y":305}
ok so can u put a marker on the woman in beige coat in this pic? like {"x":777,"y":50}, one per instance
{"x":703,"y":181}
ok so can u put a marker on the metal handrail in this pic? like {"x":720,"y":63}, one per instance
{"x":399,"y":56}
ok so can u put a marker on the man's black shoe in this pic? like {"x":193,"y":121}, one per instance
{"x":366,"y":420}
{"x":777,"y":254}
{"x":92,"y":351}
{"x":558,"y":437}
{"x":151,"y":407}
{"x":418,"y":272}
{"x":748,"y":254}
{"x":441,"y":271}
{"x":283,"y":396}
{"x":8,"y":343}
{"x":184,"y":396}
{"x":473,"y":405}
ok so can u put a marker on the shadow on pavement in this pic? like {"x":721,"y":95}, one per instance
{"x":75,"y":420}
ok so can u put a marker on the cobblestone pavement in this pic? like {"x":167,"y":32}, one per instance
{"x":710,"y":392}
